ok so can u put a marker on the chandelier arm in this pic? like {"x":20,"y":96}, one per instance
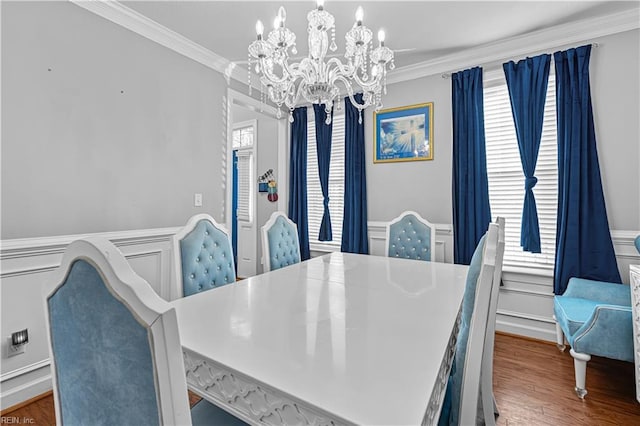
{"x":350,"y":94}
{"x":303,"y":69}
{"x":339,"y":69}
{"x":291,"y":103}
{"x":368,"y":85}
{"x":270,"y":76}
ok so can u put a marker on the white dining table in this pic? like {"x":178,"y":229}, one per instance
{"x":338,"y":339}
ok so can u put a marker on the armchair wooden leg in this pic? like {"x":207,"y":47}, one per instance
{"x":559,"y":336}
{"x":580,"y":364}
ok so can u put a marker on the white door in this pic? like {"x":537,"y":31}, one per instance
{"x":245,"y":213}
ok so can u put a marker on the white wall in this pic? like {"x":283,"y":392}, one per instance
{"x":102,"y":129}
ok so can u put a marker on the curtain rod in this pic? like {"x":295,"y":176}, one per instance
{"x":448,"y":74}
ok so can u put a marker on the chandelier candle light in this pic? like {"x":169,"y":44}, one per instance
{"x":316,"y":78}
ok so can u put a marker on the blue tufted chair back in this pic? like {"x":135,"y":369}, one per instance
{"x":107,"y":337}
{"x":409,"y":236}
{"x":205,"y":256}
{"x":280,"y":243}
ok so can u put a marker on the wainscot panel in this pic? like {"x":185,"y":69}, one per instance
{"x":26,"y":267}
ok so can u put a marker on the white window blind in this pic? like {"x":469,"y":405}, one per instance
{"x":506,"y":178}
{"x":245,"y":185}
{"x":315,"y":204}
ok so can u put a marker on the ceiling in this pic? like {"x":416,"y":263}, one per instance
{"x":417,"y":31}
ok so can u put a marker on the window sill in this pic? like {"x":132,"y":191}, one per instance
{"x":324,"y":248}
{"x":538,"y":271}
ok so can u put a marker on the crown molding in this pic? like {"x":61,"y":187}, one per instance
{"x":527,"y":44}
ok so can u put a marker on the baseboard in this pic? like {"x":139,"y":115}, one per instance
{"x":25,"y":403}
{"x":22,"y":394}
{"x":521,"y":337}
{"x":530,"y":329}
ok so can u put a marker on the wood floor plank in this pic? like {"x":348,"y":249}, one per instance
{"x":533,"y":384}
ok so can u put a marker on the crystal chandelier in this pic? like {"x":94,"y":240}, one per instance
{"x":316,"y":78}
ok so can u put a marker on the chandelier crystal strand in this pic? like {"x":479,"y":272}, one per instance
{"x":319,"y":79}
{"x":249,"y":73}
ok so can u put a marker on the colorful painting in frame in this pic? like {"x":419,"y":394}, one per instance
{"x":403,"y":134}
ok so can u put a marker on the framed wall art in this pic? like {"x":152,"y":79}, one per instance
{"x":403,"y":134}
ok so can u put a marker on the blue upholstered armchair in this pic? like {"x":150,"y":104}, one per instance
{"x":280,"y":244}
{"x":595,"y":318}
{"x":202,"y":257}
{"x":410,"y":236}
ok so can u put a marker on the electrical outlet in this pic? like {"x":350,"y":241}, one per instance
{"x":14,"y":350}
{"x":197,"y":200}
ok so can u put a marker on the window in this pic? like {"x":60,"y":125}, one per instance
{"x":506,"y":178}
{"x":242,"y":143}
{"x":242,"y":136}
{"x":315,"y":205}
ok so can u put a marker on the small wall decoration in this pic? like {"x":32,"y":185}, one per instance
{"x":267,"y":183}
{"x":403,"y":134}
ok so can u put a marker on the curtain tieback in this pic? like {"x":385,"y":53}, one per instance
{"x":325,"y":201}
{"x":530,"y":182}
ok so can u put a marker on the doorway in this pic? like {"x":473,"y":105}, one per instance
{"x":256,"y":141}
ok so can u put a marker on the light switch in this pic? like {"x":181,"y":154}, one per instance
{"x":197,"y":200}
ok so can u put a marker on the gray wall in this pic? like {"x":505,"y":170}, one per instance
{"x":102,"y":129}
{"x":122,"y":132}
{"x":422,"y":186}
{"x":425,"y":186}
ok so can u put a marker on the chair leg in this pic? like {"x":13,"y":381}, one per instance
{"x":580,"y":364}
{"x":488,"y":405}
{"x":559,"y":336}
{"x":496,"y":412}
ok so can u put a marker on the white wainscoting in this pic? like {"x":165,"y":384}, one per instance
{"x":444,"y":240}
{"x":525,"y":305}
{"x":26,"y":266}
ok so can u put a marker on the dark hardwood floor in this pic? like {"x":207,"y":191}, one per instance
{"x":533,"y":386}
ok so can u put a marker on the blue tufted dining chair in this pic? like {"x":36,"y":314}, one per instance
{"x":114,"y":344}
{"x":280,"y":245}
{"x":462,"y":397}
{"x":596,"y":319}
{"x":202,"y":257}
{"x":410,"y":236}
